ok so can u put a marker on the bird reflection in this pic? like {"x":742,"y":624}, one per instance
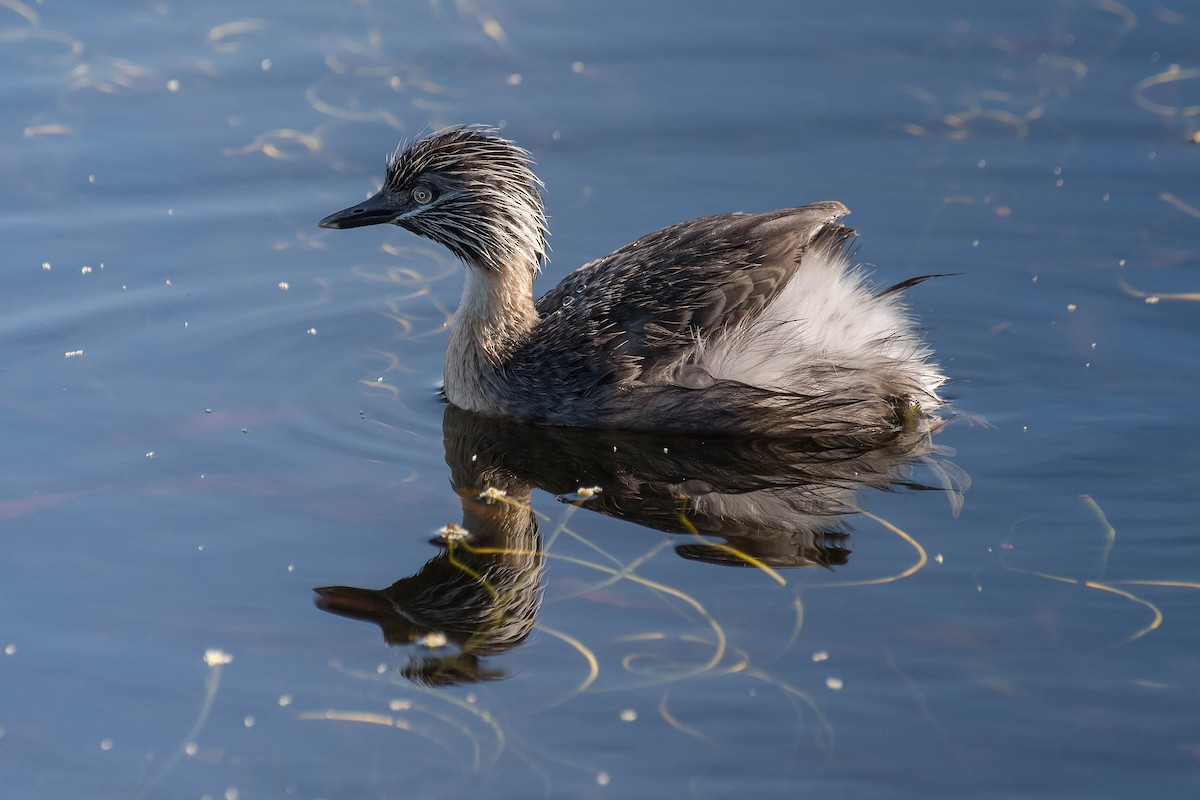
{"x":740,"y":502}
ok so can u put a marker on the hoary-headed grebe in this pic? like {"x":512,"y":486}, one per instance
{"x":730,"y":324}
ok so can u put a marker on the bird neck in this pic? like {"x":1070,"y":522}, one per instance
{"x":495,"y":316}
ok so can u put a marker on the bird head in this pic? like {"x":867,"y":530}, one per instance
{"x":466,"y":189}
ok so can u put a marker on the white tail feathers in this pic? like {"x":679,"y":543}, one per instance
{"x":824,"y":333}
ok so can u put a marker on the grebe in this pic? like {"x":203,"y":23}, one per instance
{"x":730,"y":324}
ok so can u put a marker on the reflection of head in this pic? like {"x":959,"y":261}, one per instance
{"x":482,"y":594}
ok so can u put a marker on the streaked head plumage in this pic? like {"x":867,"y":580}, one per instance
{"x":465,"y":188}
{"x":473,"y":192}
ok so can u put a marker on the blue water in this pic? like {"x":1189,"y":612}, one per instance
{"x":212,"y":407}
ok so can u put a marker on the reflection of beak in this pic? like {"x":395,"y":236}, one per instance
{"x":374,"y":211}
{"x":347,"y":601}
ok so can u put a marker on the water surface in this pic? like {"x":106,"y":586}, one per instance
{"x":212,"y":406}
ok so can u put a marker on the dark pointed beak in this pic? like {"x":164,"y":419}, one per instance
{"x":374,"y":211}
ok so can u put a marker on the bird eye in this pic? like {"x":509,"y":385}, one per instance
{"x":422,"y":194}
